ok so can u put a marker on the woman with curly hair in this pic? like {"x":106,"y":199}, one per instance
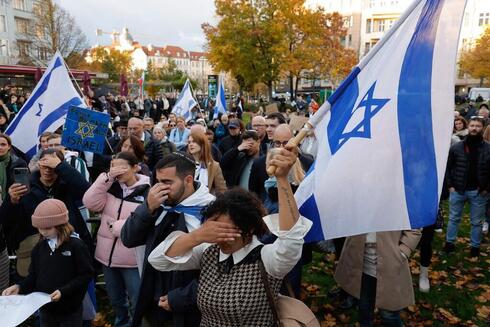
{"x":234,"y":264}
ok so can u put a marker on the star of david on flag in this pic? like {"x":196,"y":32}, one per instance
{"x":185,"y":102}
{"x":46,"y":108}
{"x":384,"y":135}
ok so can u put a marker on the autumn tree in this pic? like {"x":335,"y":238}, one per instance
{"x":112,"y":62}
{"x":331,"y":60}
{"x":261,"y":41}
{"x":248,"y":41}
{"x":476,"y":61}
{"x":52,"y":29}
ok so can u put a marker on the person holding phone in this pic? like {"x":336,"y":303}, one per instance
{"x":173,"y":203}
{"x":55,"y":179}
{"x":9,"y":162}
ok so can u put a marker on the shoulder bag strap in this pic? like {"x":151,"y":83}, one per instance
{"x":268,"y":291}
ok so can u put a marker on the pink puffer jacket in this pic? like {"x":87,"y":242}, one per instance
{"x":107,"y":196}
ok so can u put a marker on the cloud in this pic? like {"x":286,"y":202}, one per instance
{"x":159,"y":22}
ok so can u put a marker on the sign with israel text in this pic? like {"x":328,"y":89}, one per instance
{"x":85,"y":130}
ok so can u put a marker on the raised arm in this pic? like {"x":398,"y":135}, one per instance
{"x":283,"y":160}
{"x":183,"y":251}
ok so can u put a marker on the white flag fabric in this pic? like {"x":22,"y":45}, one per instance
{"x":384,"y":135}
{"x":15,"y":309}
{"x":185,"y":102}
{"x":45,"y":110}
{"x":220,"y":107}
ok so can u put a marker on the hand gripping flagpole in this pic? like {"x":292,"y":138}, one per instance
{"x":325,"y":108}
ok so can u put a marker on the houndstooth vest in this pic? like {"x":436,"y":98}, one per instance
{"x":237,"y":298}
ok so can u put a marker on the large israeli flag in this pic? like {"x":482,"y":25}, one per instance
{"x":185,"y":102}
{"x":384,"y":135}
{"x":46,"y":108}
{"x":220,"y":107}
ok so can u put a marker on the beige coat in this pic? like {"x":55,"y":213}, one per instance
{"x":394,"y":290}
{"x":216,"y":181}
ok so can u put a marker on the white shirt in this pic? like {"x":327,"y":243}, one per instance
{"x":278,"y":258}
{"x":202,"y":175}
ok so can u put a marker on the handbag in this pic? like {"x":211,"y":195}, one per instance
{"x":287,"y":311}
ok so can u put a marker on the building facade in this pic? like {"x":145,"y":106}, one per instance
{"x":368,"y":20}
{"x":193,"y":63}
{"x":16,"y":17}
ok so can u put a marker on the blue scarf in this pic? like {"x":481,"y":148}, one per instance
{"x":189,"y":210}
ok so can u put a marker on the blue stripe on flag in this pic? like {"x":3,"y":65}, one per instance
{"x":343,"y":86}
{"x":310,"y":209}
{"x":32,"y":151}
{"x":312,"y":167}
{"x":32,"y":99}
{"x":415,"y":119}
{"x":57,"y":114}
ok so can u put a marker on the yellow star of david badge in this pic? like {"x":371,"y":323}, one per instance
{"x":85,"y":129}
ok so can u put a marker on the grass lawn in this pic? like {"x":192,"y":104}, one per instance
{"x":459,"y":295}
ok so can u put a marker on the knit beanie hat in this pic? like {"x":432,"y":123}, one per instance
{"x":50,"y":213}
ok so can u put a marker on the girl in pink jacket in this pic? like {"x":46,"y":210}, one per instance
{"x":116,"y":194}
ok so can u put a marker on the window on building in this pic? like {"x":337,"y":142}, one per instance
{"x":40,"y":31}
{"x":24,"y":48}
{"x":484,"y":19}
{"x":368,"y":26}
{"x":19,"y":4}
{"x":372,"y":3}
{"x":379,"y":25}
{"x":466,"y":21}
{"x":43,"y":53}
{"x":4,"y":49}
{"x":367,"y":47}
{"x":22,"y":25}
{"x":3,"y":26}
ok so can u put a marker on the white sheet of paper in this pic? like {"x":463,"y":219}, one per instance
{"x":14,"y":309}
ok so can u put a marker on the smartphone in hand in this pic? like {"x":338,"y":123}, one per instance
{"x":22,"y":176}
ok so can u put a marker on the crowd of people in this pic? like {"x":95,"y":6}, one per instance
{"x":181,"y":219}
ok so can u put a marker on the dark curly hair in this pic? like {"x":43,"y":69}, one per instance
{"x":243,"y":208}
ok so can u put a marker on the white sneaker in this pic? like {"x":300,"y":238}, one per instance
{"x":424,"y":284}
{"x":484,"y":229}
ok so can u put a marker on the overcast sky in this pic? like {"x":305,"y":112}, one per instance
{"x":160,"y":22}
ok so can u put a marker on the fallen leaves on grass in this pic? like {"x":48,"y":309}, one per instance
{"x":446,"y":316}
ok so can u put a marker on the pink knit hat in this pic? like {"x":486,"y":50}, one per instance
{"x":50,"y":213}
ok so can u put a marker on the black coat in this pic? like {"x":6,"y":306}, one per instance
{"x":259,"y":173}
{"x":179,"y":286}
{"x":232,"y":164}
{"x":153,"y":151}
{"x":229,"y":142}
{"x":69,"y":187}
{"x":15,"y":162}
{"x":67,"y":269}
{"x":458,"y":166}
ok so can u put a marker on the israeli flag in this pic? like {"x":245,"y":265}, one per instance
{"x":45,"y":110}
{"x":220,"y":106}
{"x":185,"y":102}
{"x":384,"y":135}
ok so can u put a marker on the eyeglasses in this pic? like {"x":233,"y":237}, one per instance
{"x":279,"y":144}
{"x":258,"y":125}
